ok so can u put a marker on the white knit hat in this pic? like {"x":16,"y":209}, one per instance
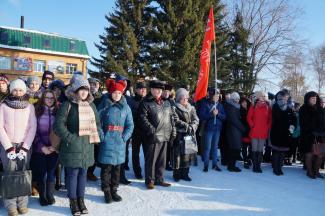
{"x":18,"y":84}
{"x":234,"y":96}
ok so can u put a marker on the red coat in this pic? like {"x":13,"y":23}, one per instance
{"x":259,"y":118}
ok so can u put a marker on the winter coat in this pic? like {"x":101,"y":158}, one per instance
{"x":205,"y":114}
{"x":17,"y":126}
{"x":44,"y":126}
{"x":308,"y":119}
{"x":281,"y":121}
{"x":234,"y":127}
{"x":186,"y":123}
{"x":75,"y":151}
{"x":134,"y":103}
{"x":112,"y":149}
{"x":97,"y":99}
{"x":243,"y":118}
{"x":259,"y":119}
{"x":156,"y":120}
{"x":296,"y":132}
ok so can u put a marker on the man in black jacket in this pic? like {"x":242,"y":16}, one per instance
{"x":156,"y":121}
{"x":137,"y":138}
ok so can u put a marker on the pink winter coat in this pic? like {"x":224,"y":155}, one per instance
{"x":259,"y":118}
{"x":17,"y":126}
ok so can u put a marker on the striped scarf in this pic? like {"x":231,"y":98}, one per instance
{"x":87,"y":122}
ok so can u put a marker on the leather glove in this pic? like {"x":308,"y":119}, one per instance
{"x":11,"y":153}
{"x":22,"y":153}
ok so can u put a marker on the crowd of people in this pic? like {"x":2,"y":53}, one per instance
{"x":50,"y":127}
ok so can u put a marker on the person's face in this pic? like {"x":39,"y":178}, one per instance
{"x":262,"y":97}
{"x":244,"y":104}
{"x":312,"y":100}
{"x":46,"y":82}
{"x":237,"y":100}
{"x":322,"y":103}
{"x":94,"y":87}
{"x":49,"y":99}
{"x":215,"y":98}
{"x":34,"y":86}
{"x":116,"y":96}
{"x":83,"y":94}
{"x":141,"y":91}
{"x":57,"y":92}
{"x":3,"y":86}
{"x":227,"y":96}
{"x":156,"y":92}
{"x":18,"y":92}
{"x":184,"y":101}
{"x":166,"y":94}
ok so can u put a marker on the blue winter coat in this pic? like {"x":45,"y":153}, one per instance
{"x":205,"y":114}
{"x":112,"y":149}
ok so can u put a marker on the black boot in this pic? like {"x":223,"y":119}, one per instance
{"x":82,"y":206}
{"x":42,"y":194}
{"x":259,"y":156}
{"x":74,"y":207}
{"x":49,"y":193}
{"x":108,"y":197}
{"x":254,"y":158}
{"x":123,"y":179}
{"x":58,"y":184}
{"x":115,"y":196}
{"x":276,"y":163}
{"x":206,"y":168}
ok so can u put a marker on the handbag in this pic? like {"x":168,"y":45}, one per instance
{"x":318,"y":148}
{"x":55,"y":139}
{"x":190,"y":145}
{"x":16,"y":183}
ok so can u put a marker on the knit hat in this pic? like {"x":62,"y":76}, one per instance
{"x":4,"y":78}
{"x":48,"y":75}
{"x":18,"y":84}
{"x":234,"y":96}
{"x":180,"y":93}
{"x":93,"y":80}
{"x":78,"y":81}
{"x":168,"y":87}
{"x":140,"y":85}
{"x":57,"y":83}
{"x":157,"y":84}
{"x":33,"y":79}
{"x":112,"y":85}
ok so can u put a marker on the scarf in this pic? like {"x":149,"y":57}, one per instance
{"x":233,"y":103}
{"x":37,"y":94}
{"x":3,"y":96}
{"x":87,"y":122}
{"x":17,"y":102}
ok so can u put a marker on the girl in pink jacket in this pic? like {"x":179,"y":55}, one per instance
{"x":17,"y":131}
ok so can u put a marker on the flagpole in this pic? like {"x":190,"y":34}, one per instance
{"x":215,"y":75}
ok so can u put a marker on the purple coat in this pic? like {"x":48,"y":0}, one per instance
{"x":44,"y":127}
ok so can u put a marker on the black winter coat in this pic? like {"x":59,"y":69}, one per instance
{"x":134,"y":103}
{"x":156,"y":121}
{"x":281,"y":121}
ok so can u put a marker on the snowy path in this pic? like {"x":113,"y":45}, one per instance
{"x":213,"y":193}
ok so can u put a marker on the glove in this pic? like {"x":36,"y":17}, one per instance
{"x":22,"y":153}
{"x":11,"y":154}
{"x":291,"y":129}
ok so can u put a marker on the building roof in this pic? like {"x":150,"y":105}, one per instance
{"x":37,"y":41}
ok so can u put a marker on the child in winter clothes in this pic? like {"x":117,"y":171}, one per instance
{"x":34,"y":92}
{"x":17,"y":132}
{"x":44,"y":157}
{"x":117,"y":124}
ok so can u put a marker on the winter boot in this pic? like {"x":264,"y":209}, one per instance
{"x":254,"y":159}
{"x":42,"y":194}
{"x":115,"y":196}
{"x":318,"y":163}
{"x":123,"y":179}
{"x":309,"y":165}
{"x":34,"y":189}
{"x":50,"y":186}
{"x":206,"y":168}
{"x":82,"y":206}
{"x":74,"y":207}
{"x":12,"y":212}
{"x":91,"y":176}
{"x":58,"y":184}
{"x":108,"y":197}
{"x":259,"y":156}
{"x":23,"y":210}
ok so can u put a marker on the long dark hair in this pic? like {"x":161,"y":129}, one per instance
{"x":40,"y":105}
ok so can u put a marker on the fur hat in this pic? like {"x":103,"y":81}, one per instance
{"x":4,"y":78}
{"x":48,"y":75}
{"x":93,"y":80}
{"x":140,"y":85}
{"x":33,"y":79}
{"x":18,"y":84}
{"x":78,"y":82}
{"x":157,"y":84}
{"x":57,"y":83}
{"x":112,"y":85}
{"x":180,"y":93}
{"x":168,"y":87}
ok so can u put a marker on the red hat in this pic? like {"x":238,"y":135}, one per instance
{"x":112,"y":85}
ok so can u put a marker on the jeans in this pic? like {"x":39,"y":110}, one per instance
{"x":211,"y":144}
{"x":44,"y":167}
{"x":76,"y":182}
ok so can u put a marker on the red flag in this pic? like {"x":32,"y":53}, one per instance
{"x":203,"y":79}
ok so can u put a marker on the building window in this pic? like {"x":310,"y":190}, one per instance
{"x":39,"y":66}
{"x":72,"y":46}
{"x":4,"y":37}
{"x":46,"y":43}
{"x":70,"y":68}
{"x":5,"y":63}
{"x":26,"y":40}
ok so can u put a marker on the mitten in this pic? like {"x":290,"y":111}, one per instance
{"x":11,"y":154}
{"x":22,"y":153}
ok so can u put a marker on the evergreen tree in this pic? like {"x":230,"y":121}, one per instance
{"x":120,"y":45}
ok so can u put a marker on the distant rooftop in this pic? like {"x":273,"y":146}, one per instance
{"x":43,"y":42}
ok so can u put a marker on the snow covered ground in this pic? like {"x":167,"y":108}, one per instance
{"x":213,"y":193}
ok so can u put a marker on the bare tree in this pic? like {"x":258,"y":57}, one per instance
{"x":272,"y":26}
{"x":318,"y":63}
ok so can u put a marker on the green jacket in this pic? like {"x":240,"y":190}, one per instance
{"x":75,"y":150}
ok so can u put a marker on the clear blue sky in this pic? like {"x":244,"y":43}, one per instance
{"x":84,"y":19}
